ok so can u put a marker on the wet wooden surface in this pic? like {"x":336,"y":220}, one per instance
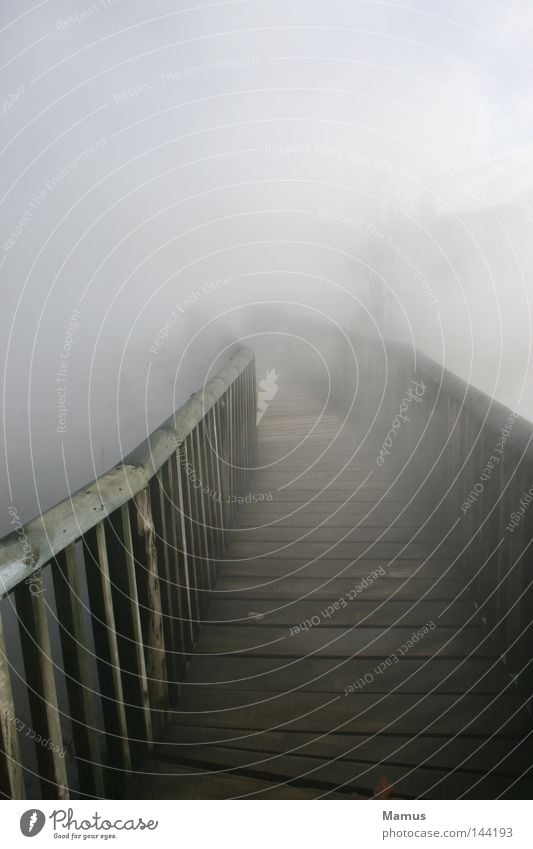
{"x":341,"y":644}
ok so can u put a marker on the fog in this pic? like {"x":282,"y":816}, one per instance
{"x":180,"y":179}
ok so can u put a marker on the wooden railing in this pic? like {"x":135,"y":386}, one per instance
{"x":122,"y":571}
{"x":472,"y":458}
{"x":466,"y":459}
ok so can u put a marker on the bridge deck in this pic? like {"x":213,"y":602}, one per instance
{"x":305,"y":681}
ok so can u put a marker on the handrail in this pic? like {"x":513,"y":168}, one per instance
{"x":67,"y":521}
{"x":476,"y":401}
{"x":132,"y":560}
{"x":474,"y":460}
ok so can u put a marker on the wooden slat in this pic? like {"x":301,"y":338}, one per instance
{"x":384,"y":551}
{"x":130,"y":640}
{"x":147,"y":570}
{"x":436,"y":568}
{"x":76,"y":663}
{"x":340,"y":642}
{"x":331,"y":775}
{"x":335,"y":588}
{"x":363,"y":613}
{"x":107,"y":654}
{"x":327,"y":675}
{"x":187,"y":535}
{"x":205,"y":567}
{"x":169,"y":781}
{"x":170,"y":592}
{"x":471,"y":754}
{"x":214,"y":462}
{"x":178,"y":552}
{"x":42,"y":695}
{"x":11,"y":771}
{"x":361,"y":712}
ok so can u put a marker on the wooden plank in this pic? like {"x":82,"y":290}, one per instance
{"x":145,"y":551}
{"x":169,"y":781}
{"x":359,"y":612}
{"x":323,"y":675}
{"x":340,"y":642}
{"x":361,"y":713}
{"x":270,"y":510}
{"x":173,"y":624}
{"x":11,"y":770}
{"x":207,"y":567}
{"x":262,"y":517}
{"x":216,"y":475}
{"x":178,"y":551}
{"x":332,"y":775}
{"x":509,"y":757}
{"x":188,"y":533}
{"x":42,"y":694}
{"x":349,"y":550}
{"x":330,"y":568}
{"x":335,"y":588}
{"x":107,"y":656}
{"x":130,"y":640}
{"x":76,"y":664}
{"x":282,"y":534}
{"x":209,"y":500}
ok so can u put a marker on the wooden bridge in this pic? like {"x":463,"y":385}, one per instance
{"x":322,"y":607}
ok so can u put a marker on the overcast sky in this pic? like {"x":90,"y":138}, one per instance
{"x":168,"y":165}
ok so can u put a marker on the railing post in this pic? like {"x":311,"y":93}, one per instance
{"x":11,"y":772}
{"x":172,"y":612}
{"x":122,"y":571}
{"x":145,"y":551}
{"x":77,"y":671}
{"x":107,"y":657}
{"x":42,"y":695}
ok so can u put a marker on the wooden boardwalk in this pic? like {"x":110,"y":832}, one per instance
{"x":306,"y":680}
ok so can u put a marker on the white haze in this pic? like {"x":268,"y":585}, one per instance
{"x":321,"y":156}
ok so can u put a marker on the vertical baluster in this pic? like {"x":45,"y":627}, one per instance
{"x":517,"y":555}
{"x":215,"y":474}
{"x":450,"y":507}
{"x":231,"y":452}
{"x":524,"y":619}
{"x":201,"y":517}
{"x":483,"y":540}
{"x":170,"y":592}
{"x":242,"y":426}
{"x":11,"y":772}
{"x":76,"y":663}
{"x":209,"y":498}
{"x":253,"y":413}
{"x":107,"y":657}
{"x":148,"y":585}
{"x":239,"y":435}
{"x":245,"y":421}
{"x":42,"y":694}
{"x":178,"y":550}
{"x":468,"y":483}
{"x":188,"y":530}
{"x":129,"y":631}
{"x":221,"y":413}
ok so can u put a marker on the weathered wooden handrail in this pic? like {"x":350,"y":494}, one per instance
{"x":477,"y":456}
{"x":132,"y":557}
{"x":468,"y":460}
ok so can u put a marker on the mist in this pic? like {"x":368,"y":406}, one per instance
{"x":182,"y":180}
